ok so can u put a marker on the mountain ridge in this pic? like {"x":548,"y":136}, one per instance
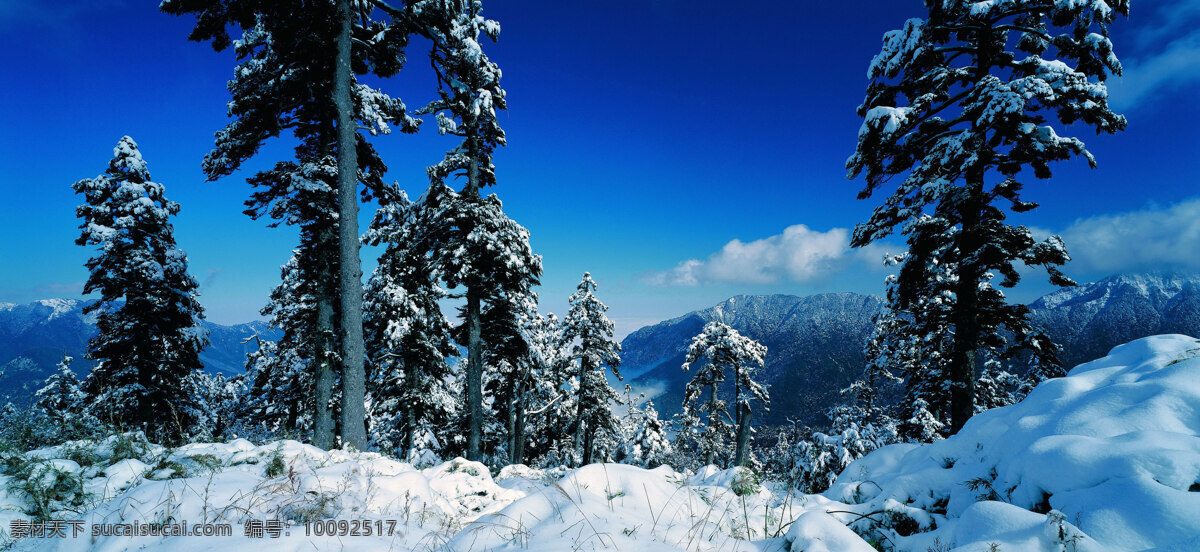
{"x":814,"y":343}
{"x":34,"y":337}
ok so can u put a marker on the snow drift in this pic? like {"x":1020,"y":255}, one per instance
{"x":1107,"y":458}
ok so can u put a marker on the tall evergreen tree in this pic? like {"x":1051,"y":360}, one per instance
{"x":596,"y":352}
{"x":469,"y":94}
{"x":148,"y":337}
{"x":475,"y":246}
{"x":408,"y":339}
{"x":959,"y":105}
{"x":509,"y":353}
{"x":716,"y":350}
{"x":551,"y":407}
{"x":281,"y":374}
{"x":296,"y":72}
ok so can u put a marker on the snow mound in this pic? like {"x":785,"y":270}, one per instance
{"x":620,"y":507}
{"x":820,"y":532}
{"x":1107,"y":458}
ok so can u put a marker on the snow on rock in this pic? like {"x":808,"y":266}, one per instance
{"x":1107,"y":457}
{"x":117,"y":477}
{"x":987,"y":522}
{"x":821,"y":532}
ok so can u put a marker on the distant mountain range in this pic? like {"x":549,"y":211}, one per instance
{"x":815,"y":343}
{"x":35,"y":336}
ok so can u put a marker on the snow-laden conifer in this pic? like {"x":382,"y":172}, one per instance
{"x":645,"y":441}
{"x":408,"y":340}
{"x":61,"y":396}
{"x":148,"y":317}
{"x":480,"y":255}
{"x":824,"y":455}
{"x":596,"y":352}
{"x":287,"y":80}
{"x":217,"y":400}
{"x":280,"y":375}
{"x":716,"y":353}
{"x":551,"y":407}
{"x":960,"y":104}
{"x":469,"y":94}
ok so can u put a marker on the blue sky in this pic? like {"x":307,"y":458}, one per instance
{"x":645,"y":137}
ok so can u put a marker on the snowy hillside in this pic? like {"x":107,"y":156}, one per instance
{"x":1105,"y":459}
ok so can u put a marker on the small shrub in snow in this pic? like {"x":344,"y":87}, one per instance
{"x":275,"y":466}
{"x":746,"y":482}
{"x":48,"y":486}
{"x":130,"y":445}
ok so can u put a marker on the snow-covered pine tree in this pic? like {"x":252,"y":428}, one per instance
{"x":217,"y":400}
{"x":824,"y":455}
{"x":61,"y":396}
{"x":594,"y":349}
{"x":958,"y":106}
{"x":644,"y":436}
{"x":551,"y":406}
{"x":408,"y":340}
{"x":912,"y":343}
{"x":994,"y":387}
{"x":469,"y":94}
{"x":719,"y":349}
{"x":286,"y":79}
{"x":510,"y":323}
{"x":281,"y":375}
{"x":919,"y":425}
{"x":474,"y":246}
{"x":148,"y":317}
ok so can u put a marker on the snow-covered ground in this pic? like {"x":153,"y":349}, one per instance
{"x":1107,"y":458}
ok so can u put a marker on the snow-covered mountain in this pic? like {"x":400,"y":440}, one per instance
{"x":814,"y":344}
{"x":35,"y":336}
{"x":814,"y":348}
{"x":1091,"y":319}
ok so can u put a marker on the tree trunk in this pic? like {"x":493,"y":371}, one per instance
{"x":518,"y":438}
{"x":474,"y":376}
{"x":354,"y":390}
{"x":743,"y":434}
{"x":510,"y":421}
{"x":589,"y":438}
{"x":410,"y":414}
{"x":966,"y":322}
{"x":323,"y":356}
{"x":739,"y":414}
{"x":289,"y":423}
{"x":710,"y":455}
{"x":579,"y":411}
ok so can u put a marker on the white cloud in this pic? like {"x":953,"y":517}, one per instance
{"x":799,"y":254}
{"x":1152,"y":238}
{"x":1168,"y":57}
